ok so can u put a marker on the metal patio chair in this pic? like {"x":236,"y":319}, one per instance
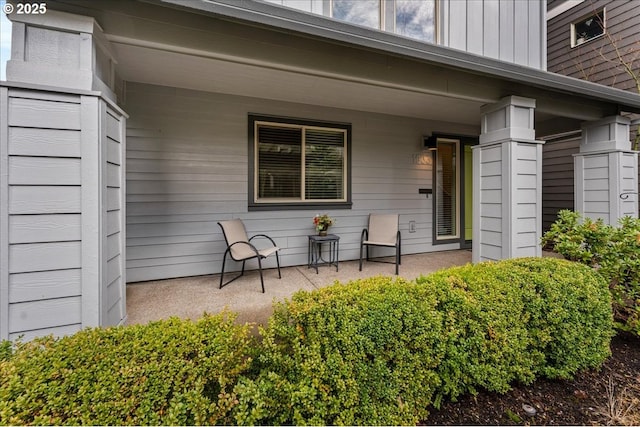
{"x":240,"y":248}
{"x":382,"y":231}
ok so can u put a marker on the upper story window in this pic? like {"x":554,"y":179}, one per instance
{"x":298,"y":163}
{"x":410,"y":18}
{"x":588,"y":28}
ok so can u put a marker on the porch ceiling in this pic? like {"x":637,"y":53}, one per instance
{"x":193,"y":71}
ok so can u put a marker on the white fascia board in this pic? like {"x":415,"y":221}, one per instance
{"x":559,"y":10}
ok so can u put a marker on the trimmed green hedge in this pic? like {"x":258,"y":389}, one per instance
{"x":377,"y":351}
{"x":171,"y":372}
{"x":380,"y":351}
{"x":362,"y":353}
{"x":517,"y":320}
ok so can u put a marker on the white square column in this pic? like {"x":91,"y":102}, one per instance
{"x":507,"y":182}
{"x":606,"y":171}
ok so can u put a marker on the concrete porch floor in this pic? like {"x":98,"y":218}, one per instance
{"x":190,"y":297}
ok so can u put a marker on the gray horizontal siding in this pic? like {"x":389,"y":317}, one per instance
{"x":61,"y":213}
{"x":490,"y":201}
{"x":43,"y":190}
{"x":187,"y":169}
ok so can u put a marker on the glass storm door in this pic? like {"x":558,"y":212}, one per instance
{"x":447,"y":189}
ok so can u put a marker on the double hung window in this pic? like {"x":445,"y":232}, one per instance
{"x":298,"y":163}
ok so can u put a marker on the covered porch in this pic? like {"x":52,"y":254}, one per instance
{"x":125,"y":157}
{"x":190,"y":297}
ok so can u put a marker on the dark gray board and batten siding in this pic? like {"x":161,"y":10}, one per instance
{"x":54,"y":149}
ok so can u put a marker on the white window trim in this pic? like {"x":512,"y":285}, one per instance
{"x":574,"y":41}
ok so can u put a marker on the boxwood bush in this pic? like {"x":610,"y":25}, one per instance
{"x":369,"y":352}
{"x":361,"y":353}
{"x":171,"y":372}
{"x":381,"y":351}
{"x":517,"y":320}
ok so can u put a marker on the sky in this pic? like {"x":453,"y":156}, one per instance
{"x":5,"y":41}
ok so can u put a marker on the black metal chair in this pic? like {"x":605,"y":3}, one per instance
{"x":382,"y":231}
{"x":240,"y":248}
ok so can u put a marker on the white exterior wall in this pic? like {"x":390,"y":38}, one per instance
{"x":512,"y":31}
{"x":187,"y":169}
{"x":55,"y":276}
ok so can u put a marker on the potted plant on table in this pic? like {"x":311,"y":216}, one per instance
{"x":322,"y":223}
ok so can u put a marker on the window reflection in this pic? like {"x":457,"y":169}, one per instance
{"x":415,"y":19}
{"x":360,"y":12}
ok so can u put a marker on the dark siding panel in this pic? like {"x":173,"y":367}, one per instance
{"x":557,"y":178}
{"x":585,"y":61}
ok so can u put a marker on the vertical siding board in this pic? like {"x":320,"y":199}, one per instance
{"x":457,"y":24}
{"x":92,"y":205}
{"x":475,"y":24}
{"x":4,"y":214}
{"x":536,"y":38}
{"x":491,"y":29}
{"x":507,"y":29}
{"x":521,"y":34}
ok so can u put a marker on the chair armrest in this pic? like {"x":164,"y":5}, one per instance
{"x":244,"y":243}
{"x":364,"y":236}
{"x":265,"y":236}
{"x":398,"y":237}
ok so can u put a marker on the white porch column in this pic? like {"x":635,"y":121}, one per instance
{"x":606,"y":171}
{"x":62,"y":180}
{"x":507,"y":183}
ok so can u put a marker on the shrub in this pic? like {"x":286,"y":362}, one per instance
{"x":360,"y":353}
{"x":613,"y":251}
{"x":519,"y":319}
{"x":380,"y":351}
{"x":171,"y":372}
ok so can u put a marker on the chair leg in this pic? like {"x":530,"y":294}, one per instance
{"x":278,"y":263}
{"x":224,"y":259}
{"x":261,"y":278}
{"x":361,"y":245}
{"x":397,"y":258}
